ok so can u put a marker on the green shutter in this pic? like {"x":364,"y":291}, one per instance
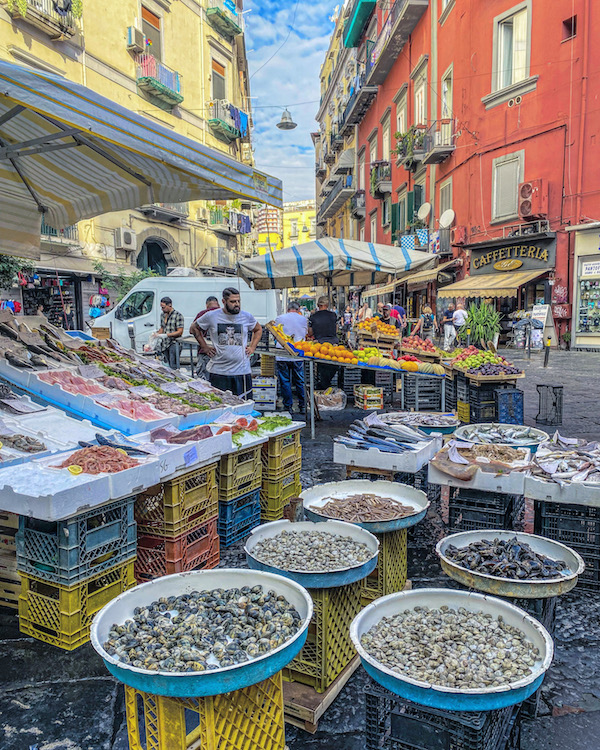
{"x":410,"y":206}
{"x":418,"y":197}
{"x":395,"y":207}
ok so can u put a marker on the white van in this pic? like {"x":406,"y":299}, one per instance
{"x":139,"y":312}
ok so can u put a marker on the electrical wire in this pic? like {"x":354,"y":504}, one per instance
{"x":291,"y":28}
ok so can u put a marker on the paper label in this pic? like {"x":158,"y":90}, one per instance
{"x":141,"y":390}
{"x":191,"y":456}
{"x":90,"y":371}
{"x":173,"y":388}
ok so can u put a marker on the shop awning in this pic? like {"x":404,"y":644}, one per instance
{"x":79,"y":266}
{"x":421,"y":278}
{"x":491,"y":284}
{"x":67,"y":153}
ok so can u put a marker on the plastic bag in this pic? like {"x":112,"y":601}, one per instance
{"x":153,"y":340}
{"x":333,"y":399}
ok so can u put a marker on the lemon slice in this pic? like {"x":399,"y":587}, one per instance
{"x":75,"y":469}
{"x":120,"y":450}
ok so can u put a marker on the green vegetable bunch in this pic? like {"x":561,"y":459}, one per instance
{"x":484,"y":323}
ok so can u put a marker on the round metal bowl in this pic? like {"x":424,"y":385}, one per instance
{"x":316,"y":497}
{"x":341,"y":577}
{"x":541,"y":436}
{"x":427,"y":429}
{"x":437,"y":696}
{"x":525,"y":589}
{"x":217,"y":681}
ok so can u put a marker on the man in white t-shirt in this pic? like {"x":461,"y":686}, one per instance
{"x":459,"y":316}
{"x":229,"y":350}
{"x":291,"y":373}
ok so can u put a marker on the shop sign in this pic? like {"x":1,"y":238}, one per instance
{"x":590,"y":268}
{"x":514,"y":254}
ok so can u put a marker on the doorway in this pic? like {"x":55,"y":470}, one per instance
{"x":152,"y":256}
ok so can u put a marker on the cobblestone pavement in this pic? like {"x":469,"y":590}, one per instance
{"x":53,"y":700}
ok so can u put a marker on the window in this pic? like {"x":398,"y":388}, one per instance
{"x":421,"y":100}
{"x":386,"y":137}
{"x":511,"y":49}
{"x":361,"y":171}
{"x":361,"y":232}
{"x":386,"y":212}
{"x":447,"y":95}
{"x":507,"y":173}
{"x":151,"y":30}
{"x":373,"y":236}
{"x":373,"y":150}
{"x":401,"y":209}
{"x":138,"y":303}
{"x":569,"y":28}
{"x":294,"y":228}
{"x":219,"y":90}
{"x":401,"y":114}
{"x":445,"y":196}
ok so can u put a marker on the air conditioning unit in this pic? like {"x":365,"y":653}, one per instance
{"x":125,"y":239}
{"x":202,"y":214}
{"x":533,"y":200}
{"x":458,"y":235}
{"x":136,"y":41}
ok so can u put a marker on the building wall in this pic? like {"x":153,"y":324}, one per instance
{"x":299,"y":222}
{"x":97,"y":56}
{"x":269,"y":225}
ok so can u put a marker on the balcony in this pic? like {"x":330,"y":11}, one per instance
{"x":158,"y":81}
{"x":381,"y":178}
{"x":227,"y":221}
{"x":438,"y":144}
{"x":43,"y":15}
{"x":168,"y":213}
{"x":357,"y":20}
{"x":67,"y":235}
{"x":320,"y":170}
{"x":224,"y":17}
{"x":401,"y":22}
{"x":357,"y":106}
{"x":337,"y":197}
{"x":222,"y":123}
{"x":411,"y":147}
{"x":345,"y":162}
{"x":329,"y":156}
{"x":336,"y":141}
{"x":358,"y":205}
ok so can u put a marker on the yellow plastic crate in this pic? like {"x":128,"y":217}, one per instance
{"x":267,"y":366}
{"x":248,"y":719}
{"x":180,"y":505}
{"x":239,"y":472}
{"x":328,"y":649}
{"x":274,"y":496}
{"x":463,"y":412}
{"x":390,"y":574}
{"x":280,"y":454}
{"x":62,"y":615}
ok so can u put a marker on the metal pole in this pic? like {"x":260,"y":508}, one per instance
{"x":444,"y":393}
{"x":468,"y":337}
{"x":529,"y":341}
{"x":311,"y":370}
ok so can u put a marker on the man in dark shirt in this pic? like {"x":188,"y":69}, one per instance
{"x":386,"y":317}
{"x":323,"y":326}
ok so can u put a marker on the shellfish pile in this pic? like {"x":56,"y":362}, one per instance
{"x":204,"y":630}
{"x":453,"y":648}
{"x":311,"y":551}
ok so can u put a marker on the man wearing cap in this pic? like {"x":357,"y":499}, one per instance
{"x":171,"y":329}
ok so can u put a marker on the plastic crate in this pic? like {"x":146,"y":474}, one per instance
{"x":68,"y":551}
{"x":486,"y":412}
{"x":239,"y":472}
{"x":390,"y":574}
{"x":274,"y":496}
{"x":247,"y":719}
{"x":369,"y":402}
{"x":509,"y":406}
{"x":177,"y":506}
{"x":194,"y":550}
{"x":462,"y":387}
{"x":238,"y":517}
{"x":264,"y":392}
{"x":393,"y":723}
{"x":419,"y":480}
{"x":267,"y":366}
{"x":471,"y":510}
{"x":577,"y":526}
{"x":463,"y":411}
{"x":328,"y":649}
{"x":281,"y":456}
{"x":62,"y":615}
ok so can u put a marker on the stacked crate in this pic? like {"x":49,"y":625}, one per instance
{"x":267,"y":366}
{"x":471,"y":510}
{"x":10,"y":581}
{"x":390,"y":573}
{"x":422,"y":393}
{"x":385,"y":381}
{"x":462,"y":397}
{"x":177,"y":525}
{"x":70,"y":569}
{"x":264,"y":393}
{"x":239,"y":480}
{"x":368,"y":397}
{"x":281,"y":460}
{"x":450,"y":396}
{"x":509,"y":406}
{"x":352,"y":376}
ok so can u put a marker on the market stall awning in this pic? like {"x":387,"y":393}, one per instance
{"x":67,"y":153}
{"x":419,"y":279}
{"x":491,"y":284}
{"x":78,"y":266}
{"x":329,"y":260}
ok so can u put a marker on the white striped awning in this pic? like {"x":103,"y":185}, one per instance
{"x":67,"y":153}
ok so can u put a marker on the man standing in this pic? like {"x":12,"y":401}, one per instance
{"x":322,"y":325}
{"x":449,"y":331}
{"x":386,"y":317}
{"x":229,"y":350}
{"x":460,"y":316}
{"x":401,"y":315}
{"x":171,"y":329}
{"x":291,"y":373}
{"x":212,"y":303}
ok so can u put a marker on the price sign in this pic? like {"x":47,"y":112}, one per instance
{"x":191,"y":456}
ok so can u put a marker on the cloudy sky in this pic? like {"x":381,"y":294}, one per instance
{"x":291,"y":78}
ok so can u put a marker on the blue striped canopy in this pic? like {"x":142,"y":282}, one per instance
{"x":335,"y":261}
{"x":67,"y":153}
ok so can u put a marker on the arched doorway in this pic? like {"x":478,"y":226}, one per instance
{"x":152,"y":256}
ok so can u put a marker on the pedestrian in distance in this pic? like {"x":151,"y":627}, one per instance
{"x":426,"y":324}
{"x":290,"y":373}
{"x":448,"y":326}
{"x":459,"y":318}
{"x":212,"y":303}
{"x":228,"y":329}
{"x":171,"y":329}
{"x":322,"y":326}
{"x":386,"y":317}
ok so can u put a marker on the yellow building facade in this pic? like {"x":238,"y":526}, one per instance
{"x":269,"y":227}
{"x":299,"y":222}
{"x":180,"y":63}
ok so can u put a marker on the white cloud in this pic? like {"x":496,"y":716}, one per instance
{"x":290,"y":79}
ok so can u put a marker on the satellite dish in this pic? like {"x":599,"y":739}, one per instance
{"x":424,"y":212}
{"x":447,"y":219}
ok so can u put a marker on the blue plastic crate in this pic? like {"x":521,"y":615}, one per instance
{"x":72,"y":550}
{"x":238,"y":517}
{"x":509,"y":404}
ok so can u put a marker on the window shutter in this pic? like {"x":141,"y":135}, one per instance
{"x":394,"y":217}
{"x":507,"y":183}
{"x":418,"y":201}
{"x":410,"y":206}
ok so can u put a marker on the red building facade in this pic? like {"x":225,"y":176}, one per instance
{"x":498,"y":108}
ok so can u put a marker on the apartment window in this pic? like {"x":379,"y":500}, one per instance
{"x":373,"y":236}
{"x":386,"y":212}
{"x":151,"y":30}
{"x":401,"y":209}
{"x":402,"y":114}
{"x":507,"y":173}
{"x":447,"y":95}
{"x":294,"y":228}
{"x":386,"y":136}
{"x":361,"y":232}
{"x":219,"y":90}
{"x":373,"y":150}
{"x":445,"y":196}
{"x":421,"y":99}
{"x":361,"y":171}
{"x":512,"y":49}
{"x":569,"y":28}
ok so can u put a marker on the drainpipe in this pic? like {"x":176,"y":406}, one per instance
{"x":583,"y":107}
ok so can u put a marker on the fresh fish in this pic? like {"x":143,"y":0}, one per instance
{"x":127,"y":448}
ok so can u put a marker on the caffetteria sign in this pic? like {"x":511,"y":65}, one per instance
{"x":513,"y":255}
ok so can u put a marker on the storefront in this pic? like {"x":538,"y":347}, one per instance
{"x":586,"y":288}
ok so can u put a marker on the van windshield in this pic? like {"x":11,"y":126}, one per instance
{"x":138,"y":303}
